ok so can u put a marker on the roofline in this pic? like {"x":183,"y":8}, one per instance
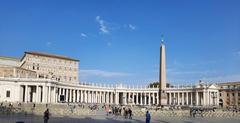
{"x":49,"y":55}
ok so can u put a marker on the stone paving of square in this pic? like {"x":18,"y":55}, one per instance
{"x":111,"y":119}
{"x":63,"y":114}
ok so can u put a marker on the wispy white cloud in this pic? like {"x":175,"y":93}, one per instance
{"x":131,"y":27}
{"x":223,"y":78}
{"x":101,"y":73}
{"x":103,"y":27}
{"x":48,"y":44}
{"x":175,"y":72}
{"x":83,"y":35}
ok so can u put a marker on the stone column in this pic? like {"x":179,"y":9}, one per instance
{"x":81,"y":97}
{"x":97,"y":97}
{"x":54,"y":95}
{"x":86,"y":96}
{"x":49,"y":94}
{"x":217,"y":93}
{"x":137,"y":101}
{"x":37,"y":94}
{"x":59,"y":94}
{"x":133,"y":98}
{"x":100,"y":97}
{"x":116,"y":98}
{"x":149,"y":98}
{"x":153,"y":96}
{"x":204,"y":97}
{"x":104,"y":97}
{"x":170,"y":98}
{"x":235,"y":96}
{"x":157,"y":98}
{"x":145,"y":98}
{"x":125,"y":99}
{"x":74,"y":95}
{"x":183,"y":100}
{"x":197,"y":98}
{"x":111,"y":97}
{"x":191,"y":100}
{"x":71,"y":95}
{"x":26,"y":93}
{"x":174,"y":97}
{"x":178,"y":100}
{"x":66,"y":95}
{"x":93,"y":96}
{"x":78,"y":96}
{"x":187,"y":98}
{"x":209,"y":95}
{"x":141,"y":98}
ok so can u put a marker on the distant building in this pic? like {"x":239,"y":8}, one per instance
{"x":10,"y":67}
{"x":17,"y":72}
{"x":60,"y":68}
{"x":229,"y":94}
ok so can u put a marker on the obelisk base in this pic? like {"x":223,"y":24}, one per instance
{"x":163,"y":98}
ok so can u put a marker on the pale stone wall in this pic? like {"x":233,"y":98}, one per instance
{"x":14,"y":90}
{"x":230,"y":93}
{"x":16,"y":72}
{"x":51,"y":67}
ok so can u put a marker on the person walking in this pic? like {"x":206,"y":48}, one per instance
{"x":130,"y":113}
{"x":148,"y":117}
{"x":46,"y":116}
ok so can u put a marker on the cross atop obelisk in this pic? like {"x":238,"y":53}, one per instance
{"x":162,"y":75}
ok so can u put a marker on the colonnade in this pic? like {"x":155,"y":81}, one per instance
{"x":53,"y":94}
{"x":48,"y":93}
{"x":202,"y":97}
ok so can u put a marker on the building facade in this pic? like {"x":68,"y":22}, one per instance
{"x":51,"y":66}
{"x":229,"y":94}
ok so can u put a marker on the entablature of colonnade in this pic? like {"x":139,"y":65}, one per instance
{"x":24,"y":81}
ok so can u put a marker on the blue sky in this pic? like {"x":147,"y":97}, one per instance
{"x":117,"y":41}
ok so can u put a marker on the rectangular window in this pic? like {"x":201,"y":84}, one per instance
{"x":232,"y":94}
{"x":227,"y":95}
{"x":8,"y":94}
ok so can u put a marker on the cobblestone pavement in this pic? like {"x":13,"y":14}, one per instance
{"x":111,"y":119}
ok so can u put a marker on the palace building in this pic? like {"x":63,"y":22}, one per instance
{"x":47,"y":78}
{"x":229,"y":93}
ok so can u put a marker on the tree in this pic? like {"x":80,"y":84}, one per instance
{"x":156,"y":84}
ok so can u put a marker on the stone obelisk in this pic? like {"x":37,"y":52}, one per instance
{"x":162,"y":76}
